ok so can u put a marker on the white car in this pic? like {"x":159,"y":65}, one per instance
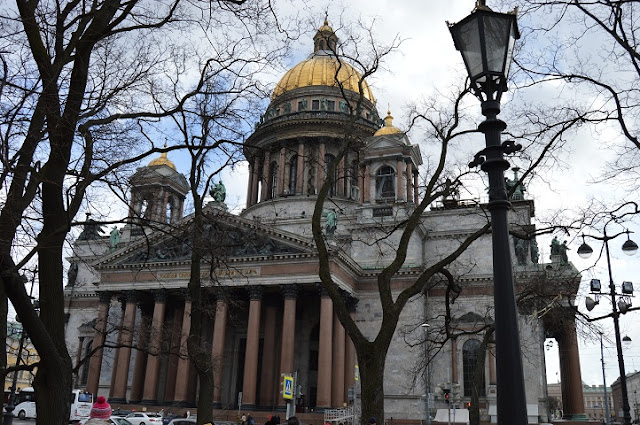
{"x":113,"y":420}
{"x":144,"y":418}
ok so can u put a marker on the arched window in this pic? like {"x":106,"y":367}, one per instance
{"x":84,"y":374}
{"x":328,"y":159}
{"x":146,"y":208}
{"x":353,"y":178}
{"x":273,"y":180}
{"x":293,"y":174}
{"x":385,"y":183}
{"x":470,"y":352}
{"x":169,"y":210}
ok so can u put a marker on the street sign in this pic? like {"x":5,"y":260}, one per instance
{"x":287,"y":387}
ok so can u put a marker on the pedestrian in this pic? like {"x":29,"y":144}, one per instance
{"x":100,"y":412}
{"x":373,"y":421}
{"x":293,"y":420}
{"x":243,"y":419}
{"x":250,"y":419}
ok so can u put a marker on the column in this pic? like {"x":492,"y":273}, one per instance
{"x":300,"y":178}
{"x":95,"y":363}
{"x":150,"y":395}
{"x":325,"y":348}
{"x":253,"y":345}
{"x":266,"y":168}
{"x":341,"y":181}
{"x":124,"y":356}
{"x":182,"y":381}
{"x":454,"y":361}
{"x":410,"y":182}
{"x":256,"y":180}
{"x":140,"y":362}
{"x":399,"y":185}
{"x":367,"y":183}
{"x":416,"y":188}
{"x":123,"y":302}
{"x":491,"y":354}
{"x":267,"y":380}
{"x":350,"y":352}
{"x":338,"y":362}
{"x":320,"y":167}
{"x":281,"y":172}
{"x":287,"y":352}
{"x":572,"y":395}
{"x":250,"y":185}
{"x":217,"y":349}
{"x":174,"y":354}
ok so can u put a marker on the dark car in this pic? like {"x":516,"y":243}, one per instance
{"x":168,"y":417}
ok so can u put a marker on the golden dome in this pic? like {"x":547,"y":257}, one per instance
{"x":163,"y":160}
{"x":388,"y":126}
{"x":320,"y":70}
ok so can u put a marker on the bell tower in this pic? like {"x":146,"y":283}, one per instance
{"x":158,"y":192}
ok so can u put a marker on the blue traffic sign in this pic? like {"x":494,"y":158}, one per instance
{"x":287,"y":387}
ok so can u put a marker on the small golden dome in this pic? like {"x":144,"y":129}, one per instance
{"x":163,"y":160}
{"x":320,"y":70}
{"x":388,"y":126}
{"x":326,"y":27}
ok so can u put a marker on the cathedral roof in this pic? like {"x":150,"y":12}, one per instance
{"x":323,"y":68}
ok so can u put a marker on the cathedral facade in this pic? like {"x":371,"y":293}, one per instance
{"x":268,"y":316}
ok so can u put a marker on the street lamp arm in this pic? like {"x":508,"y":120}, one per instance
{"x":612,"y":315}
{"x":606,"y":237}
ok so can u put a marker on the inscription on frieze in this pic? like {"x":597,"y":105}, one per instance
{"x":221,"y":274}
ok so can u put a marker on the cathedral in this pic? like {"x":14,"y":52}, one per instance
{"x":129,"y":310}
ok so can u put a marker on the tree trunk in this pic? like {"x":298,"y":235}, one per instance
{"x":53,"y":381}
{"x":371,"y":361}
{"x":198,"y":352}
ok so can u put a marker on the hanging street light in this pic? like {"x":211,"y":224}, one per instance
{"x":620,"y":307}
{"x":486,"y":40}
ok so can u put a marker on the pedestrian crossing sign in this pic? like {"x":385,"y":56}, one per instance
{"x":287,"y":387}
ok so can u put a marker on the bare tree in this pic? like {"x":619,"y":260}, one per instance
{"x":81,"y":84}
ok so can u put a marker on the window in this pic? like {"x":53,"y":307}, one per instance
{"x":293,"y":174}
{"x":273,"y":180}
{"x":328,"y":159}
{"x":385,"y":183}
{"x":315,"y":105}
{"x":470,"y":351}
{"x":331,"y":105}
{"x":168,"y":210}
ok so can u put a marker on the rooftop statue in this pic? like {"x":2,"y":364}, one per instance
{"x":218,"y":192}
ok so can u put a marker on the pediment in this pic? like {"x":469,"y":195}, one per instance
{"x":223,"y":237}
{"x":388,"y":141}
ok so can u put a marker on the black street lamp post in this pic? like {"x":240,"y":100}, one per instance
{"x":620,"y":307}
{"x":486,"y":39}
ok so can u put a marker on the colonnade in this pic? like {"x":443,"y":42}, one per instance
{"x":336,"y":353}
{"x":309,"y":175}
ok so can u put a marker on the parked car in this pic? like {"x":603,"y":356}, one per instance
{"x":144,"y":418}
{"x":113,"y":420}
{"x":192,"y":420}
{"x":168,"y":417}
{"x":120,"y":413}
{"x":183,"y":421}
